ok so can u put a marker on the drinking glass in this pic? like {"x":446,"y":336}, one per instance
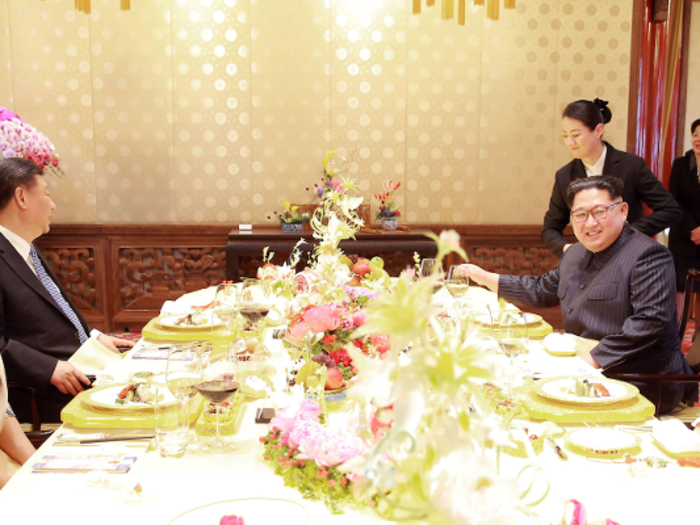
{"x":225,"y":305}
{"x":253,"y":307}
{"x":183,"y":372}
{"x":511,"y":332}
{"x":217,"y":386}
{"x":170,"y":426}
{"x":426,"y":270}
{"x":457,"y":283}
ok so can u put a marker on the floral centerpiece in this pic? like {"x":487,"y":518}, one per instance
{"x":19,"y":139}
{"x":305,"y":453}
{"x":388,"y":211}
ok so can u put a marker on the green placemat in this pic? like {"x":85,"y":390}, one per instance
{"x":81,"y":415}
{"x":537,"y":407}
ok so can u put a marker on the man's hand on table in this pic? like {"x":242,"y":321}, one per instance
{"x":482,"y":277}
{"x":113,"y":342}
{"x":588,"y":358}
{"x":68,"y":379}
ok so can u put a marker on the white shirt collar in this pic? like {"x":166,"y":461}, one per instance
{"x":19,"y":244}
{"x":597,"y":168}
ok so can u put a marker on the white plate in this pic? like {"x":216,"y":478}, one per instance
{"x":530,"y":319}
{"x":558,"y":388}
{"x":255,"y":511}
{"x":106,"y":396}
{"x":602,"y":440}
{"x":202,"y":321}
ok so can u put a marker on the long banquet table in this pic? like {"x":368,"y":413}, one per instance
{"x":173,"y":486}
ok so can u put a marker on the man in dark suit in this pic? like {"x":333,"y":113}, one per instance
{"x":640,"y":187}
{"x":615,"y":285}
{"x":40,"y":328}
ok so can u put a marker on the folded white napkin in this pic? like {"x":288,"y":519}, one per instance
{"x":675,"y":436}
{"x":174,"y":308}
{"x":93,"y":357}
{"x":557,"y":343}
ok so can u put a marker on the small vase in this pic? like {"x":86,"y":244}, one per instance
{"x":292,"y":228}
{"x":390,"y":223}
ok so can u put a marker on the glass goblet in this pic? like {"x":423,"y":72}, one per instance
{"x":457,"y":283}
{"x":225,"y":305}
{"x":182,"y":373}
{"x":219,"y":385}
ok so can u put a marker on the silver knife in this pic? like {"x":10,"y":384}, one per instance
{"x":557,"y":449}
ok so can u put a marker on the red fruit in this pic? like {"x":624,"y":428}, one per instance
{"x":334,"y":379}
{"x":361,"y":267}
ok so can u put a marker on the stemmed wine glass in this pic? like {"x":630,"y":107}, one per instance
{"x":426,"y":270}
{"x":252,"y":309}
{"x":457,"y":283}
{"x":511,"y":333}
{"x":225,"y":304}
{"x":183,"y":372}
{"x":217,"y":386}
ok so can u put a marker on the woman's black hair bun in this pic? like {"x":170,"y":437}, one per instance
{"x":604,"y":110}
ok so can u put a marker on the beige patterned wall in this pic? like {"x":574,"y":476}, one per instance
{"x":213,"y":111}
{"x":692,"y":108}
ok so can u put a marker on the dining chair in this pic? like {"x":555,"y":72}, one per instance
{"x":37,"y":434}
{"x":691,"y":280}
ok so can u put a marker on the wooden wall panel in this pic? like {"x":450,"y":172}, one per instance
{"x":120,"y":275}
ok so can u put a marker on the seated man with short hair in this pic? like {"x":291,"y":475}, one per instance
{"x":615,"y":285}
{"x":40,"y":328}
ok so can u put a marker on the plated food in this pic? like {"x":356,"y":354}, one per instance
{"x":585,"y":391}
{"x":108,"y":398}
{"x":192,"y":321}
{"x":528,"y":318}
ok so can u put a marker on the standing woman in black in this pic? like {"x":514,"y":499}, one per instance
{"x":684,"y":239}
{"x":583,"y":124}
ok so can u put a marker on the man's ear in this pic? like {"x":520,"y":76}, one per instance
{"x":21,"y":197}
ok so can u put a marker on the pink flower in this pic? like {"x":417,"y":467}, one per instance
{"x":231,"y":520}
{"x":380,"y":342}
{"x":323,"y":318}
{"x":295,"y":336}
{"x":359,"y":317}
{"x":336,"y":184}
{"x":451,"y":238}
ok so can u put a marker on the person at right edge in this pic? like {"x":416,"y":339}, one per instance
{"x":583,"y":125}
{"x":684,"y":239}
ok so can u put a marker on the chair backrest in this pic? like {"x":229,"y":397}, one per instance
{"x":690,"y":280}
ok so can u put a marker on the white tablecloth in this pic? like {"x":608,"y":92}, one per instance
{"x":173,"y":486}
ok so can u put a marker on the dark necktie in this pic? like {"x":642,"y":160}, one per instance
{"x":55,"y":293}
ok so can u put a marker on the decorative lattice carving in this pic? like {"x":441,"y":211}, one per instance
{"x":151,"y":275}
{"x":514,"y":260}
{"x":75,"y":269}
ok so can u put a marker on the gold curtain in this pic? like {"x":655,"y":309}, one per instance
{"x":448,"y":8}
{"x":675,"y":41}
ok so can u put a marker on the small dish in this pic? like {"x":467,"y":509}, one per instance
{"x":602,"y":441}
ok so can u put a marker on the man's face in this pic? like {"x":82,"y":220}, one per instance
{"x":39,"y":206}
{"x":598,"y":234}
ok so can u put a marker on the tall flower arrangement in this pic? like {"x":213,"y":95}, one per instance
{"x":19,"y":139}
{"x":439,"y":461}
